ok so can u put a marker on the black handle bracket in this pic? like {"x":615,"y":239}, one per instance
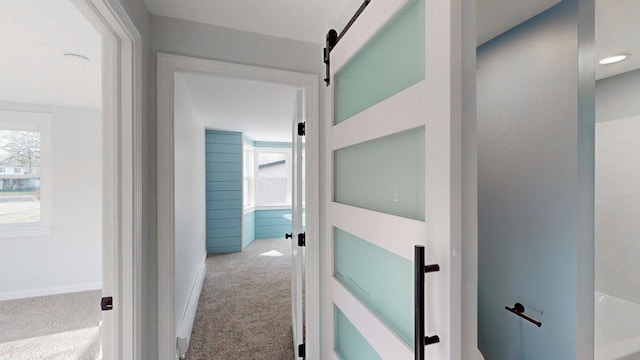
{"x":333,"y":37}
{"x":420,"y":269}
{"x":518,"y":309}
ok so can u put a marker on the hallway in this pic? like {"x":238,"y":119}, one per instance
{"x":244,"y":311}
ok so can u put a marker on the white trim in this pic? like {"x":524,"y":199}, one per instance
{"x":122,"y":176}
{"x":186,"y":325}
{"x":10,"y":232}
{"x":363,"y":126}
{"x":167,"y":65}
{"x":297,"y":181}
{"x":443,"y":171}
{"x":39,"y":119}
{"x":377,"y":228}
{"x":272,"y":207}
{"x":289,"y":185}
{"x":248,"y":210}
{"x":384,"y":341}
{"x":250,"y":177}
{"x":328,"y":344}
{"x":21,"y":294}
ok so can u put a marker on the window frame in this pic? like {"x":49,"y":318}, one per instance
{"x":248,"y":161}
{"x":289,"y":179}
{"x":37,"y":122}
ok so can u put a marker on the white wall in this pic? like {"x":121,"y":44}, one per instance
{"x":190,"y":199}
{"x":617,"y":203}
{"x":70,"y":259}
{"x":618,"y":186}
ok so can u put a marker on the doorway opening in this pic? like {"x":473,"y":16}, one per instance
{"x":617,"y":175}
{"x":242,"y":177}
{"x":50,"y":182}
{"x":64,"y":112}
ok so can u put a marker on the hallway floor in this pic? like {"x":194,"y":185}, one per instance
{"x":244,"y":311}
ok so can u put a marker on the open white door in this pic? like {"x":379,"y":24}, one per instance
{"x":393,"y":143}
{"x":297,"y":222}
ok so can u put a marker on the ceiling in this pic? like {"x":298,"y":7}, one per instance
{"x":617,"y":28}
{"x":262,"y":111}
{"x":617,"y":32}
{"x":497,"y":16}
{"x":304,"y":20}
{"x":33,"y":68}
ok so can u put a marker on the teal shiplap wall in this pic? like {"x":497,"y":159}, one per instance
{"x":224,"y":191}
{"x":272,"y":223}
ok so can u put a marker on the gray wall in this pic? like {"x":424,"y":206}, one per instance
{"x":617,"y":97}
{"x":535,"y":186}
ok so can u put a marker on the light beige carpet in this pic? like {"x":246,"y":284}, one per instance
{"x":244,"y":310}
{"x":83,"y":344}
{"x":56,"y":327}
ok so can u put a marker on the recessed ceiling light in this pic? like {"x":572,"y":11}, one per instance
{"x":613,"y":59}
{"x":80,"y":58}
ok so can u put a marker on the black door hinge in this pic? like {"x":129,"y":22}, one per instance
{"x":301,"y":350}
{"x":302,"y":129}
{"x":107,"y":303}
{"x":302,"y":241}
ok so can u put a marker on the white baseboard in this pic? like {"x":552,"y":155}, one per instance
{"x":184,"y":331}
{"x":21,"y":294}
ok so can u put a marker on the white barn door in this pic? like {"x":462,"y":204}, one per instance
{"x":393,"y":145}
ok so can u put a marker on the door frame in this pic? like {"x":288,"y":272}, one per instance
{"x":122,"y":104}
{"x":168,"y":64}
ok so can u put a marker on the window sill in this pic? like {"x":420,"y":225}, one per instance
{"x":248,"y":209}
{"x":25,"y":231}
{"x":273,"y":207}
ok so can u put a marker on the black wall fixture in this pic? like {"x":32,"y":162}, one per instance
{"x":333,"y":38}
{"x":518,"y":309}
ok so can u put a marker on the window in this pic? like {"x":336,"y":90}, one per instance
{"x":273,"y":177}
{"x":24,"y":203}
{"x":248,"y":177}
